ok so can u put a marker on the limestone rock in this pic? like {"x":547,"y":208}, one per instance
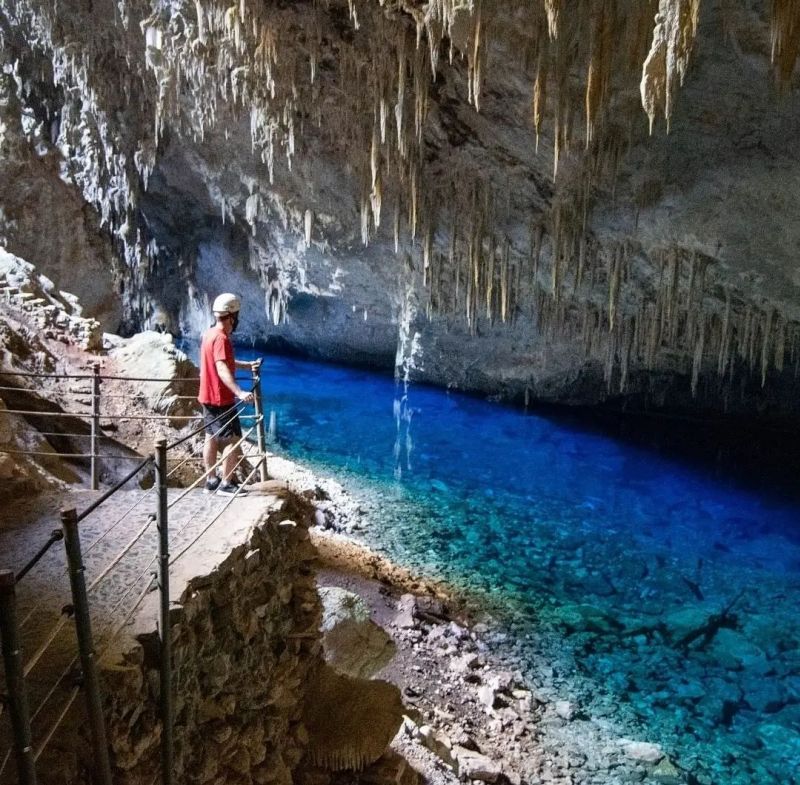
{"x":642,"y":751}
{"x":438,"y":743}
{"x":353,"y":644}
{"x":487,"y":696}
{"x":152,"y":355}
{"x":565,"y":709}
{"x":667,"y":773}
{"x":406,"y":607}
{"x":475,"y":766}
{"x":350,"y":721}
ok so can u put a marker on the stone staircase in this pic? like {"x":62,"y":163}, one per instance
{"x":51,"y":311}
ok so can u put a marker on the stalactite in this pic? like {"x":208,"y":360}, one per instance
{"x":724,"y":345}
{"x":611,"y":353}
{"x":785,"y":36}
{"x":365,"y":214}
{"x":540,"y":91}
{"x":396,"y":226}
{"x":665,"y":67}
{"x":780,"y":344}
{"x":751,"y":348}
{"x":697,"y":360}
{"x":615,"y":263}
{"x":766,"y":345}
{"x":625,"y":353}
{"x":600,"y":63}
{"x":504,"y":282}
{"x":673,"y":294}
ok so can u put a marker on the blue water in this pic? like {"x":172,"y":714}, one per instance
{"x":598,"y":554}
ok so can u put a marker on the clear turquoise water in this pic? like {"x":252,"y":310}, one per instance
{"x":598,"y":554}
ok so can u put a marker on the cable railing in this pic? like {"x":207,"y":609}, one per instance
{"x":94,"y":402}
{"x":26,"y":749}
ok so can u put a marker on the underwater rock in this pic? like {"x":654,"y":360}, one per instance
{"x":465,"y":663}
{"x":667,"y":773}
{"x":586,"y":618}
{"x":763,"y":694}
{"x":736,"y":652}
{"x":565,"y":710}
{"x":776,"y":736}
{"x":643,"y":751}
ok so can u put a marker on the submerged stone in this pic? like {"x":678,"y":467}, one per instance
{"x":667,"y":773}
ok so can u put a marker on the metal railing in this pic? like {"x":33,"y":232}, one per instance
{"x":17,"y":671}
{"x":94,"y":416}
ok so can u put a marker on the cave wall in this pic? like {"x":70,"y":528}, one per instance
{"x":514,"y":243}
{"x":246,"y":646}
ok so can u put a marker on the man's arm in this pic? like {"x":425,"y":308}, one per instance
{"x":227,"y":379}
{"x":250,"y":365}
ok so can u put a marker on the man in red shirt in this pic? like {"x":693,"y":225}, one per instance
{"x":219,"y":393}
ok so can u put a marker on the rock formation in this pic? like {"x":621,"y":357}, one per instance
{"x":482,"y":194}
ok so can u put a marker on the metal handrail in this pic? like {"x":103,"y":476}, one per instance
{"x":80,"y":591}
{"x":34,"y":375}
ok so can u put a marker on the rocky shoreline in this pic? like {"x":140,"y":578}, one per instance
{"x":475,"y":711}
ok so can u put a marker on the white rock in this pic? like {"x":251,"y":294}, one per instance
{"x":405,"y":611}
{"x":565,"y":710}
{"x":642,"y":750}
{"x":486,"y":696}
{"x":474,"y":766}
{"x":464,"y":664}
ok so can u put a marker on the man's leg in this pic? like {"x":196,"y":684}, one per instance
{"x":232,"y":457}
{"x":210,"y":450}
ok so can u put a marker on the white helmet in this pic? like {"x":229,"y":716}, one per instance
{"x":226,"y":303}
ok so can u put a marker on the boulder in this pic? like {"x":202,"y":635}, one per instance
{"x":406,"y":607}
{"x":152,"y":355}
{"x":474,"y":766}
{"x":350,"y":721}
{"x":642,"y":751}
{"x":353,"y":644}
{"x":667,"y":773}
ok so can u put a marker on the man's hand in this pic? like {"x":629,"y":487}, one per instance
{"x":244,"y":396}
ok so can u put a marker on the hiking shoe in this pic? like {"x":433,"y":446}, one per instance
{"x":212,"y":483}
{"x":231,"y":489}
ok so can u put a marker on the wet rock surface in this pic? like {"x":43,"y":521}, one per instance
{"x":614,"y":688}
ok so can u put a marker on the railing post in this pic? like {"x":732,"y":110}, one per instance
{"x":83,"y":628}
{"x":260,"y":433}
{"x":95,"y":423}
{"x":165,"y":696}
{"x":17,"y":698}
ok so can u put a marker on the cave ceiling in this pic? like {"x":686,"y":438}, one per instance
{"x":616,"y":179}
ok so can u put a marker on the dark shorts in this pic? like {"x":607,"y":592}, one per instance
{"x":218,"y":424}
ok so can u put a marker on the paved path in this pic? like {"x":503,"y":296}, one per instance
{"x":118,"y":586}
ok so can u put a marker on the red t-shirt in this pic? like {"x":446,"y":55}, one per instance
{"x":215,"y":346}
